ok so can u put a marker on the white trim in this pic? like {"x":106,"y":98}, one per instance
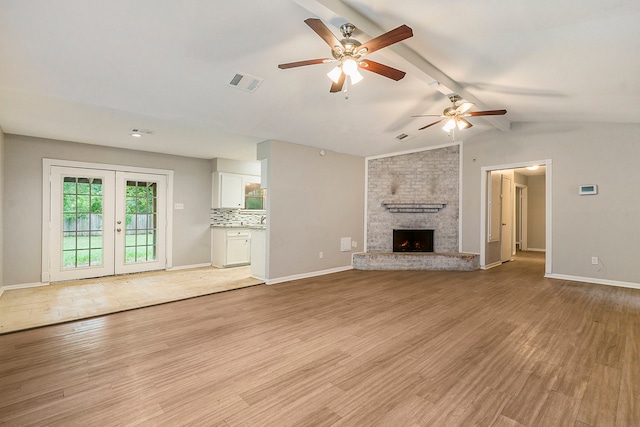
{"x":47,"y":163}
{"x":104,"y":166}
{"x":535,"y":250}
{"x":548,"y":222}
{"x":460,"y":165}
{"x":185,"y":267}
{"x":487,"y":267}
{"x":548,"y":201}
{"x":524,"y":208}
{"x":307,"y":275}
{"x":594,"y":280}
{"x":366,"y":206}
{"x":23,"y":286}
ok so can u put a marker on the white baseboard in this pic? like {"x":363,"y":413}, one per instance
{"x":534,"y":250}
{"x":185,"y":267}
{"x":307,"y":275}
{"x":488,"y":266}
{"x":594,"y":280}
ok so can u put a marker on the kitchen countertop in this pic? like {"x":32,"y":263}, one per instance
{"x":250,"y":227}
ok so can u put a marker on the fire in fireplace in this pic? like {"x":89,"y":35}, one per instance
{"x":418,"y":240}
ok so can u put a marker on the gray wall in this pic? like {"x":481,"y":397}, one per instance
{"x":424,"y":176}
{"x":536,"y":210}
{"x":23,"y":200}
{"x":312,"y":202}
{"x":605,"y":225}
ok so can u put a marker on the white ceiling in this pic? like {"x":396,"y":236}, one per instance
{"x":90,"y":71}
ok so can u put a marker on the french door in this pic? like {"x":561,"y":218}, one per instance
{"x":105,"y":222}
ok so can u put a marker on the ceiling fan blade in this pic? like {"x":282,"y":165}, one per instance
{"x":464,"y":107}
{"x":302,"y":63}
{"x":486,"y":113}
{"x":466,"y":122}
{"x":431,"y":124}
{"x":383,"y":70}
{"x":388,"y":38}
{"x":324,"y":32}
{"x":337,"y":87}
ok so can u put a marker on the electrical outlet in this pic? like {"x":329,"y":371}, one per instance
{"x":354,"y":244}
{"x":594,"y":260}
{"x":321,"y":255}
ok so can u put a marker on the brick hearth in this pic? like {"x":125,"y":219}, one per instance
{"x":415,"y":261}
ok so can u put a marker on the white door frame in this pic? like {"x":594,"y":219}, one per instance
{"x":548,"y":269}
{"x":507,"y":223}
{"x":523,"y":203}
{"x":47,"y":213}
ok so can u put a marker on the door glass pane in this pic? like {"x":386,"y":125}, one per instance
{"x":81,"y":222}
{"x":141,"y":220}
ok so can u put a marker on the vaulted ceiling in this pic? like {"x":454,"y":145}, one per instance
{"x":91,"y":71}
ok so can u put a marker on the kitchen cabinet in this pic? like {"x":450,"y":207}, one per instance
{"x":230,"y":247}
{"x":229,"y":189}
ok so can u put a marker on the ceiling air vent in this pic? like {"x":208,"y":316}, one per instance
{"x":402,"y":137}
{"x":245,"y":82}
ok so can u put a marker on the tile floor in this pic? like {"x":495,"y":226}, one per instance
{"x":61,"y":302}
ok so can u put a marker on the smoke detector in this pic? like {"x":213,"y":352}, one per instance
{"x":139,"y":132}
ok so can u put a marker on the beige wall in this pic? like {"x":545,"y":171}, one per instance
{"x":23,"y":200}
{"x":2,"y":169}
{"x":605,"y":225}
{"x":313,"y":201}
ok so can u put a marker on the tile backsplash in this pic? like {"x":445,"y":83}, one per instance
{"x":235,"y":217}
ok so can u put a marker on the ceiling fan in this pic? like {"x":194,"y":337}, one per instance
{"x":349,"y":52}
{"x":454,"y":116}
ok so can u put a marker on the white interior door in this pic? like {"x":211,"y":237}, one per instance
{"x":105,"y":222}
{"x":506,"y":229}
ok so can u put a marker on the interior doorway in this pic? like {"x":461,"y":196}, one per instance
{"x":515,"y":212}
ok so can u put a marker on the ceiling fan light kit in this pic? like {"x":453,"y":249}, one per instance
{"x":454,"y":115}
{"x":348,"y":52}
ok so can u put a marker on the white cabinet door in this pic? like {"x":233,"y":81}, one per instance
{"x":238,"y":251}
{"x":231,"y":191}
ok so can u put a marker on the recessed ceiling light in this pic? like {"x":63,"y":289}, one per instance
{"x":533,"y":168}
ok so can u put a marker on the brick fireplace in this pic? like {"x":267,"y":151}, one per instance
{"x":414,"y":191}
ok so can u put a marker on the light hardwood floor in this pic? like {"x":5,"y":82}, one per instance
{"x":503,"y":348}
{"x":80,"y":299}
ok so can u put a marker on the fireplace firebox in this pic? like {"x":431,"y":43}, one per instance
{"x":417,"y":240}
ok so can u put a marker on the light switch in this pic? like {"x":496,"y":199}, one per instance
{"x":178,"y":206}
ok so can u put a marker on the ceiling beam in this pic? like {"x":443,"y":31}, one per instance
{"x":432,"y":75}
